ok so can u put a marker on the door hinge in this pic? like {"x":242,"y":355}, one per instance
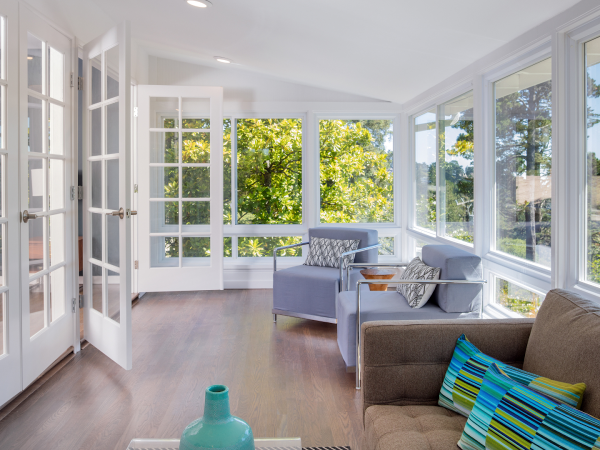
{"x":79,"y":192}
{"x":80,"y":83}
{"x":136,"y":264}
{"x":72,"y":192}
{"x":73,"y":305}
{"x":135,"y":188}
{"x":135,"y":111}
{"x":80,"y":301}
{"x":72,"y":79}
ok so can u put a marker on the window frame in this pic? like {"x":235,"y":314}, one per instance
{"x":235,"y":230}
{"x":573,"y":82}
{"x":494,"y":309}
{"x":396,"y":149}
{"x":414,"y":231}
{"x":529,"y":58}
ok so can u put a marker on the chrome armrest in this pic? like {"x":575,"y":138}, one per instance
{"x":388,"y":282}
{"x":351,"y":252}
{"x":282,"y":248}
{"x":351,"y":265}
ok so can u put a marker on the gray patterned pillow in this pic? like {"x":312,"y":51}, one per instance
{"x":325,"y":252}
{"x":418,"y":294}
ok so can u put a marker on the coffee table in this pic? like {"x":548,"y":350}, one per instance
{"x":173,"y":444}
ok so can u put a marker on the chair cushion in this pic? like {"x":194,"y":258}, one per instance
{"x":455,"y":264}
{"x":309,"y":289}
{"x":386,"y":305}
{"x":366,"y":237}
{"x":412,"y":428}
{"x":565,"y":343}
{"x":508,"y":415}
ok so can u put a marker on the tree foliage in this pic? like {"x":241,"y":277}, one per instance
{"x":357,"y":178}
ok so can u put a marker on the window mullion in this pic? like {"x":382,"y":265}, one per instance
{"x":234,"y":194}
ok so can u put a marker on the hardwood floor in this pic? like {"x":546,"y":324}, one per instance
{"x":285,"y":379}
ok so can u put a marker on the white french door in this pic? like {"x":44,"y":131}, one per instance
{"x":47,"y":262}
{"x":180,"y":176}
{"x":10,"y":312}
{"x":107,"y":194}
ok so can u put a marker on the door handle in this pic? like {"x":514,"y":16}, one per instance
{"x":27,"y":216}
{"x":120,"y":213}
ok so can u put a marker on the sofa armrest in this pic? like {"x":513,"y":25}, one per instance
{"x":404,"y":362}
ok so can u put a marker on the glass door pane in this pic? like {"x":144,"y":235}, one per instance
{"x":107,"y":216}
{"x":48,"y":264}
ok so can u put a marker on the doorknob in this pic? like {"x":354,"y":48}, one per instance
{"x":120,"y":213}
{"x":27,"y":216}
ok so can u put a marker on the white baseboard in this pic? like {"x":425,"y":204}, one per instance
{"x":248,"y":278}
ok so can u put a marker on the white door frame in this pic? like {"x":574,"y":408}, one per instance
{"x":181,"y":277}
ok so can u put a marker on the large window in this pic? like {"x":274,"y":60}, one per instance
{"x":269,"y":171}
{"x":592,"y":57}
{"x":456,"y":168}
{"x":523,"y":153}
{"x":425,"y":171}
{"x":449,"y":128}
{"x":357,"y":171}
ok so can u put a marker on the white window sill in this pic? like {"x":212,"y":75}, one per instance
{"x":495,"y":311}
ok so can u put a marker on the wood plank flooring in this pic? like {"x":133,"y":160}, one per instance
{"x":286,"y":379}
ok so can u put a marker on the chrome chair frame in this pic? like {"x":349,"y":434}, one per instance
{"x":394,"y":282}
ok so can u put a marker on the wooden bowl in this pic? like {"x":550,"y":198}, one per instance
{"x":378,"y":274}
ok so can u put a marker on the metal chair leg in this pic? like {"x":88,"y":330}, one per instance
{"x":275,"y":318}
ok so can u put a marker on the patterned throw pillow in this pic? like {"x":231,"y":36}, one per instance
{"x":508,"y":415}
{"x":325,"y":252}
{"x":418,"y":294}
{"x":468,"y":367}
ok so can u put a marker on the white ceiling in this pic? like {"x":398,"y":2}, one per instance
{"x":386,"y":49}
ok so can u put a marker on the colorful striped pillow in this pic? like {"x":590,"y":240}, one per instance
{"x":468,"y":367}
{"x":510,"y":416}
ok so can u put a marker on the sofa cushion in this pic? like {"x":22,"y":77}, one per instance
{"x":508,"y":415}
{"x":412,"y":428}
{"x":309,"y":289}
{"x":565,"y":343}
{"x":455,"y":264}
{"x":377,"y":305}
{"x":366,"y":237}
{"x":465,"y":374}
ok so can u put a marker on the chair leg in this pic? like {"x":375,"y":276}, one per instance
{"x":274,"y":317}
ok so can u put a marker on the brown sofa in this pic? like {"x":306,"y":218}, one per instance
{"x":404,"y":363}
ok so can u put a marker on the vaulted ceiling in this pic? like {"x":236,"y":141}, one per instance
{"x":386,"y":49}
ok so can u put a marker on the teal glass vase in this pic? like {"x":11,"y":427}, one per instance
{"x":217,"y":429}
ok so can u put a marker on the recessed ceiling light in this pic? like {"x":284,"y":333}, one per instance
{"x":200,"y":3}
{"x":30,"y":57}
{"x":223,"y":60}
